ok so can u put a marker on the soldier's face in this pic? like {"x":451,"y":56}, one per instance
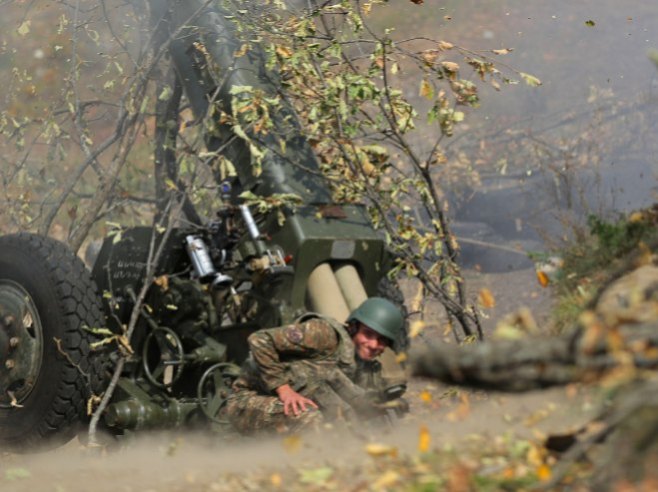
{"x":368,"y":343}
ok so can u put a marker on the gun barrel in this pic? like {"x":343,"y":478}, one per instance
{"x":204,"y":54}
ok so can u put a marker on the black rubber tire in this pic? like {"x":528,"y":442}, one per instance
{"x":67,"y":302}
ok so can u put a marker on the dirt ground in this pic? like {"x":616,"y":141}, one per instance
{"x":174,"y":462}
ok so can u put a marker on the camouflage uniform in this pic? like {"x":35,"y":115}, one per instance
{"x":316,"y":358}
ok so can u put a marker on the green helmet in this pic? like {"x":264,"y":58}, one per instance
{"x":380,"y":315}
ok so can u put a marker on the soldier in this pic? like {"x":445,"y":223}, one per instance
{"x":299,"y":375}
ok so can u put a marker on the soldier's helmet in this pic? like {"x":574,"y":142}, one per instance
{"x":382,"y":316}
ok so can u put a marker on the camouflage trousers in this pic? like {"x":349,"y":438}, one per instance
{"x":251,"y":412}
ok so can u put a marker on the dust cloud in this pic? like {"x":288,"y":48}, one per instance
{"x":187,"y":461}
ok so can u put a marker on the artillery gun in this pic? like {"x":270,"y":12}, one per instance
{"x":216,"y":280}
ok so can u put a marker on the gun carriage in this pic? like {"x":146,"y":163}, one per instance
{"x":217,"y":279}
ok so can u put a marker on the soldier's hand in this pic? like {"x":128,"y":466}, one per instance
{"x":293,"y":402}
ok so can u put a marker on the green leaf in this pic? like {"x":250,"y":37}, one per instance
{"x":653,"y":56}
{"x":531,"y":80}
{"x":17,"y":473}
{"x":241,"y":89}
{"x":317,"y":476}
{"x":165,"y":94}
{"x":24,"y":28}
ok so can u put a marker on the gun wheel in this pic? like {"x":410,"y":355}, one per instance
{"x":48,"y":303}
{"x":213,"y":390}
{"x":163,"y":357}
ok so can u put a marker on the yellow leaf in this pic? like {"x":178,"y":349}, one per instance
{"x":388,"y":479}
{"x":366,"y":166}
{"x":445,"y":45}
{"x":450,"y":66}
{"x":542,"y":278}
{"x":366,"y":8}
{"x":424,"y":439}
{"x":636,"y":217}
{"x":426,"y":396}
{"x":242,"y":51}
{"x":401,"y":357}
{"x":645,"y":256}
{"x":544,"y":473}
{"x":283,"y":52}
{"x":170,"y":185}
{"x":162,"y":282}
{"x":190,"y":477}
{"x":184,"y":124}
{"x":276,"y":480}
{"x":430,"y":56}
{"x":292,"y":443}
{"x":503,"y":51}
{"x":486,"y":298}
{"x":535,"y":456}
{"x":447,"y":329}
{"x":377,"y":450}
{"x":417,"y":301}
{"x":415,"y":328}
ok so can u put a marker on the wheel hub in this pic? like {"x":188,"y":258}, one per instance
{"x":21,"y":344}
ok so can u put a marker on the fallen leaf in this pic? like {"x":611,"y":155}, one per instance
{"x":535,"y":455}
{"x":388,"y":479}
{"x":424,"y":439}
{"x":378,"y":450}
{"x":190,"y":477}
{"x":17,"y":473}
{"x":544,"y":473}
{"x":503,"y":51}
{"x":276,"y":480}
{"x":316,"y":476}
{"x":426,"y":396}
{"x":292,"y":443}
{"x":590,"y":23}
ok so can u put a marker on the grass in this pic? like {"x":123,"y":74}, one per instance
{"x":590,"y":261}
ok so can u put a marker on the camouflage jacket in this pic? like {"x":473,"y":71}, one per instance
{"x":301,"y":355}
